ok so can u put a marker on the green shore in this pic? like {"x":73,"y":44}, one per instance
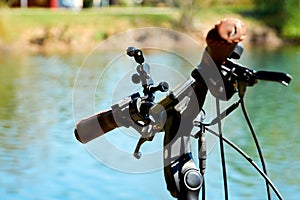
{"x":67,"y":31}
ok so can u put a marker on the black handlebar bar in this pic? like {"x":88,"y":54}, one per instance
{"x":105,"y":121}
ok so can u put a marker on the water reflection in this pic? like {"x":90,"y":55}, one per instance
{"x":40,"y":159}
{"x":34,"y":110}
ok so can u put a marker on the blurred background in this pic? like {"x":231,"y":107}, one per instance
{"x":43,"y":43}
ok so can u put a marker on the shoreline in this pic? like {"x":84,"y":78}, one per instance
{"x":54,"y":41}
{"x":74,"y":36}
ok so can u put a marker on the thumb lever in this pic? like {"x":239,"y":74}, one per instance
{"x":162,"y":86}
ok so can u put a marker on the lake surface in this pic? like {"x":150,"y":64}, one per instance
{"x":41,"y":159}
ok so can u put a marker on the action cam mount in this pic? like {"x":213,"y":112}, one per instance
{"x":139,"y":107}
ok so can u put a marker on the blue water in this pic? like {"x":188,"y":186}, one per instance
{"x":41,"y":159}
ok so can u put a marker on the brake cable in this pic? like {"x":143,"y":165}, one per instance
{"x":217,"y":120}
{"x":248,"y":158}
{"x":256,"y":144}
{"x":222,"y":149}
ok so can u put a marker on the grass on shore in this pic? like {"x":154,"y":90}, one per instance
{"x":106,"y":21}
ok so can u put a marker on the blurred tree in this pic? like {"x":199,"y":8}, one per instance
{"x":270,"y":7}
{"x":87,"y":3}
{"x":187,"y":14}
{"x":276,"y":12}
{"x":7,"y":2}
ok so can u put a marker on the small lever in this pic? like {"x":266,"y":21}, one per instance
{"x":162,"y":86}
{"x":137,"y":154}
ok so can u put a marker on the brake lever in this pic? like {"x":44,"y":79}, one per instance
{"x":250,"y":76}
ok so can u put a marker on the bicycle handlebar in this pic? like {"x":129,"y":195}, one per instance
{"x":97,"y":125}
{"x":139,"y":111}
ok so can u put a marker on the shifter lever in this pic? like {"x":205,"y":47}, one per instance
{"x":137,"y":154}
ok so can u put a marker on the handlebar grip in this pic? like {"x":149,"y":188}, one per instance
{"x":95,"y":126}
{"x":280,"y":77}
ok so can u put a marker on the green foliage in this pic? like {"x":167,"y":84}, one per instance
{"x":291,"y":29}
{"x":6,"y":3}
{"x":282,"y":15}
{"x":100,"y":35}
{"x":271,"y":7}
{"x":273,"y":12}
{"x":87,"y":3}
